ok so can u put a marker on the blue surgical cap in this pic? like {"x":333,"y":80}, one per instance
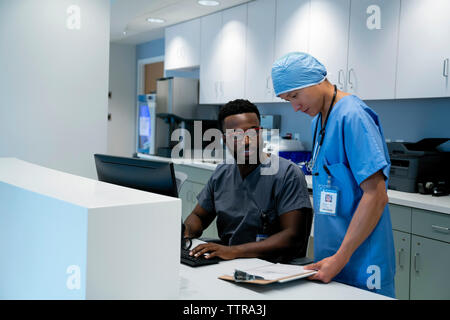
{"x":296,"y":70}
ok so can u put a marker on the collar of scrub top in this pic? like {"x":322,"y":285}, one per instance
{"x":316,"y":149}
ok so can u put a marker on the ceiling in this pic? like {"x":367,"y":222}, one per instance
{"x":131,"y":16}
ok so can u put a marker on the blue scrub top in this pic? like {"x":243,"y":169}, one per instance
{"x":354,"y":148}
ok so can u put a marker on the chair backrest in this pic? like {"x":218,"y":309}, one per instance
{"x":180,"y":178}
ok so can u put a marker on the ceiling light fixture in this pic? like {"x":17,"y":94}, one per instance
{"x":156,"y":20}
{"x":209,"y":3}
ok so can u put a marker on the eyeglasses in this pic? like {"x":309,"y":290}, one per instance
{"x":240,"y":134}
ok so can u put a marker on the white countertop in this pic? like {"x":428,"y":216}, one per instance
{"x":415,"y":200}
{"x":70,"y":188}
{"x":203,"y":283}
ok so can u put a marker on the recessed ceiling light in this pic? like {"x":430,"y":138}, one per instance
{"x":156,"y":20}
{"x":209,"y":3}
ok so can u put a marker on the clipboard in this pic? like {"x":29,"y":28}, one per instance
{"x":290,"y":272}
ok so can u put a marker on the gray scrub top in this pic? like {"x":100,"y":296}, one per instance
{"x":239,"y":203}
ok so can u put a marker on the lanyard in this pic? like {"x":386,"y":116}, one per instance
{"x":316,"y":149}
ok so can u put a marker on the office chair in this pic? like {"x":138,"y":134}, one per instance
{"x":180,"y":178}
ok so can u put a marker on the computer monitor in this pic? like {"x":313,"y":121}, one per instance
{"x":152,"y":176}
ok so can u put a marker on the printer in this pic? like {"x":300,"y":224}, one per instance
{"x":419,"y":167}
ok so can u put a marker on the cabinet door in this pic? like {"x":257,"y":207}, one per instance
{"x":328,"y":40}
{"x":372,"y":53}
{"x":291,"y":28}
{"x":232,"y":53}
{"x":430,"y":264}
{"x":402,"y":243}
{"x":182,"y":45}
{"x":424,"y":49}
{"x":260,"y":50}
{"x":210,"y":63}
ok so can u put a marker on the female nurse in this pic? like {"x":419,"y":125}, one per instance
{"x":353,"y":240}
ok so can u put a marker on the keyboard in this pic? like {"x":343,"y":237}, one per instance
{"x":196,"y":262}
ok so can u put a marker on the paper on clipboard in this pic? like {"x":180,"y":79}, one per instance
{"x":271,"y":273}
{"x":279,"y":271}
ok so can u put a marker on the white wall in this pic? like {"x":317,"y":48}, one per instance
{"x":54,"y":83}
{"x":122,"y":105}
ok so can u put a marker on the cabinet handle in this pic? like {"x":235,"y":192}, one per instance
{"x":440,"y":229}
{"x":399,"y":258}
{"x":215,"y":88}
{"x":221,"y":88}
{"x":340,"y":82}
{"x":350,"y":78}
{"x":445,"y":71}
{"x":416,"y":263}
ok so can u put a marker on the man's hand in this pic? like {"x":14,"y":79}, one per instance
{"x":327,"y":268}
{"x":214,"y":250}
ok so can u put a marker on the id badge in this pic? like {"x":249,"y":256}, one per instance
{"x":261,"y":237}
{"x":328,"y":200}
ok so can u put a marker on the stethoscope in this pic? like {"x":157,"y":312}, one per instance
{"x":316,"y":150}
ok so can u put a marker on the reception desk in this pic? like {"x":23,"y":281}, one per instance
{"x":67,"y":237}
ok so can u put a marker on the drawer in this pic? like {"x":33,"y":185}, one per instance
{"x":431,"y":224}
{"x":400,"y":217}
{"x":194,"y":174}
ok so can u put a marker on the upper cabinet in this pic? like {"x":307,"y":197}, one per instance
{"x":291,"y":28}
{"x":210,"y":70}
{"x":357,"y":43}
{"x":233,"y":42}
{"x":328,"y":37}
{"x":222,"y":57}
{"x":424,"y":49}
{"x":182,"y":45}
{"x":375,"y":49}
{"x":372,"y":52}
{"x":260,"y":50}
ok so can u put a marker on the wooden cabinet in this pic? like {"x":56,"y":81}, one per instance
{"x":182,"y":45}
{"x":424,"y":49}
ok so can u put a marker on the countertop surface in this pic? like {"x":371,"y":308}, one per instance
{"x":196,"y":283}
{"x":70,"y":188}
{"x":415,"y":200}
